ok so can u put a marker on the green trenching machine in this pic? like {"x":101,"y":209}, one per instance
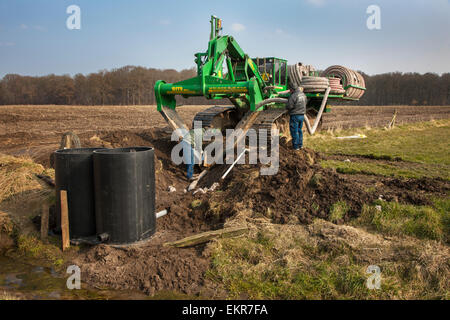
{"x":256,"y":87}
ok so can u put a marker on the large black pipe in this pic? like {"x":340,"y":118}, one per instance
{"x":124,"y":180}
{"x":74,"y":173}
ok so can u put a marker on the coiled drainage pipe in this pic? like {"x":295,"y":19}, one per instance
{"x":352,"y":81}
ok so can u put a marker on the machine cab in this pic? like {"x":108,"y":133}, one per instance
{"x":273,"y":71}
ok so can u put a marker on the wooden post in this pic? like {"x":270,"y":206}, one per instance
{"x":68,"y":142}
{"x":392,"y":123}
{"x":44,"y":222}
{"x":64,"y":220}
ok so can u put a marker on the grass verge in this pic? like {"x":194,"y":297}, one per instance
{"x":424,"y":142}
{"x":425,"y":145}
{"x":423,"y":222}
{"x":338,"y":211}
{"x":30,"y":247}
{"x":327,"y":261}
{"x":389,"y":169}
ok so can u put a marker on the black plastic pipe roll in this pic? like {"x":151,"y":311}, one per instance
{"x":74,"y":173}
{"x":124,"y":180}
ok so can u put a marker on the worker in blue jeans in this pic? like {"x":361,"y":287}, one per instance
{"x":296,"y":107}
{"x":188,"y":155}
{"x":191,"y":155}
{"x":188,"y":144}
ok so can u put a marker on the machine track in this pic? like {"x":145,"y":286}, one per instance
{"x":271,"y":119}
{"x":225,"y":117}
{"x":220,"y":117}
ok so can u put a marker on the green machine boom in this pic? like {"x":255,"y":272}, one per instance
{"x":241,"y":81}
{"x":225,"y":71}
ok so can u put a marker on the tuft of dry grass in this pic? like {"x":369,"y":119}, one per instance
{"x":18,"y":175}
{"x":5,"y":295}
{"x":422,"y":222}
{"x":21,"y":192}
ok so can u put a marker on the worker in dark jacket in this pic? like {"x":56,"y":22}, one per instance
{"x":296,"y":107}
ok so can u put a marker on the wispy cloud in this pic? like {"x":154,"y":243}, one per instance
{"x":317,"y":3}
{"x":237,"y":27}
{"x":7,"y":44}
{"x":281,"y":33}
{"x":39,"y":28}
{"x":165,"y":22}
{"x":24,"y":26}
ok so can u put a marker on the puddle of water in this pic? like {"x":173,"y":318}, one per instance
{"x":36,"y":282}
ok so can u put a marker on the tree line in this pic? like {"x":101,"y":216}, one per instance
{"x":128,"y":85}
{"x":398,"y":88}
{"x":132,"y":85}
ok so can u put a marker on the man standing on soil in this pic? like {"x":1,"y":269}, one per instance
{"x":192,"y":147}
{"x":296,"y":107}
{"x":190,"y":154}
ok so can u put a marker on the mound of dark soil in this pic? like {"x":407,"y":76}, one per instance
{"x":152,"y":267}
{"x":302,"y":190}
{"x":149,"y":269}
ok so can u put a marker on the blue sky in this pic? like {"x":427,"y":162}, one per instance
{"x":34,"y":40}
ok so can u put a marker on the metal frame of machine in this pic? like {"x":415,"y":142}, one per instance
{"x":226,"y":71}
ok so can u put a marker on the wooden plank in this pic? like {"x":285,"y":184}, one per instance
{"x":44,"y":222}
{"x":207,"y":236}
{"x":64,"y":220}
